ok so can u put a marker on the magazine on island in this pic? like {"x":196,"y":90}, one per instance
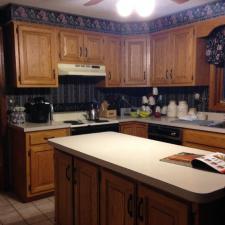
{"x":214,"y":161}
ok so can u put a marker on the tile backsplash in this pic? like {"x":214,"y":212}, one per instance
{"x":74,"y":93}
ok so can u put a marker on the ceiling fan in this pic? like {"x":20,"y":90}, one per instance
{"x":95,"y":2}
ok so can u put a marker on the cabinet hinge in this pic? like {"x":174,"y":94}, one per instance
{"x":192,"y":78}
{"x":17,"y":30}
{"x":29,"y":187}
{"x":29,"y":153}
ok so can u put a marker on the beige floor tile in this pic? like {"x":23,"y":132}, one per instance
{"x":32,"y":215}
{"x":47,"y":207}
{"x":11,"y":218}
{"x":5,"y":209}
{"x":41,"y":202}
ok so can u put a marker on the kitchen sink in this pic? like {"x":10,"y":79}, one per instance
{"x":205,"y":123}
{"x":218,"y":124}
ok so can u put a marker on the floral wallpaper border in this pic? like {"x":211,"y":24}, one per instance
{"x":38,"y":15}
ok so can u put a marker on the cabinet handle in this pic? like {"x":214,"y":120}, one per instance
{"x":140,"y":209}
{"x":167,"y":74}
{"x":81,"y":52}
{"x":86,"y":52}
{"x":68,"y":177}
{"x":53,"y":72}
{"x":130,"y":205}
{"x":46,"y":138}
{"x":171,"y":74}
{"x":110,"y":77}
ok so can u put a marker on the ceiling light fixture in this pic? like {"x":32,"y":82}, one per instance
{"x":144,"y":8}
{"x":125,"y":7}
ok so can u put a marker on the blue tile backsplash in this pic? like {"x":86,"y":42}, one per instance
{"x":75,"y":92}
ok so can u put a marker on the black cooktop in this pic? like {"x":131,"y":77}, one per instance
{"x":74,"y":122}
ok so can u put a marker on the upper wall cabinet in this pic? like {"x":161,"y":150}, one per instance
{"x":178,"y":59}
{"x":78,"y":47}
{"x":136,"y":60}
{"x":113,"y":61}
{"x":32,"y":50}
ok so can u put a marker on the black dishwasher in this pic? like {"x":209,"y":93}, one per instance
{"x":165,"y":133}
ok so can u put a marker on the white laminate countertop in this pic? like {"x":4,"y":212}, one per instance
{"x":139,"y":159}
{"x":169,"y":122}
{"x":31,"y":127}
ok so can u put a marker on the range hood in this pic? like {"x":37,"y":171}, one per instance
{"x":82,"y":70}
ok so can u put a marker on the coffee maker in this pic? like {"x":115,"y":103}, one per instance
{"x":38,"y":110}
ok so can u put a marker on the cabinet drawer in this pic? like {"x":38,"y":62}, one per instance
{"x":211,"y":139}
{"x":43,"y":136}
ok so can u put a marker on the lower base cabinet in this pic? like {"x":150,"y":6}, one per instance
{"x":138,"y":129}
{"x":117,"y":200}
{"x":156,"y":209}
{"x":87,"y":194}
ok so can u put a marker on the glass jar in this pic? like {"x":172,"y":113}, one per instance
{"x":18,"y":115}
{"x":182,"y":109}
{"x":172,"y":109}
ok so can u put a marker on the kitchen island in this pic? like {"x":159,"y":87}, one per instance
{"x":116,"y":179}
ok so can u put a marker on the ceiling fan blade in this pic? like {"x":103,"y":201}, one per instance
{"x":92,"y":2}
{"x":180,"y":1}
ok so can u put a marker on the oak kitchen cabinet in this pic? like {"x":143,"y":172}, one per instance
{"x":136,"y":58}
{"x":112,"y":52}
{"x":138,"y":129}
{"x":32,"y":51}
{"x":80,"y":47}
{"x":33,"y":173}
{"x":76,"y":191}
{"x":204,"y":140}
{"x":178,"y":58}
{"x":119,"y":202}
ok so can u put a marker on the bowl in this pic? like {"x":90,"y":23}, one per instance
{"x":144,"y":114}
{"x":134,"y":114}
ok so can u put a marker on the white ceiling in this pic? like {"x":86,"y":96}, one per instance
{"x":107,"y":8}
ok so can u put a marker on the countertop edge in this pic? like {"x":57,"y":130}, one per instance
{"x":155,"y":183}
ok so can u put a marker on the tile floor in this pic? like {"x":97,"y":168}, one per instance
{"x":13,"y":212}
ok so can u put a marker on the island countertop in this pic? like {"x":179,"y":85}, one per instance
{"x":139,"y":158}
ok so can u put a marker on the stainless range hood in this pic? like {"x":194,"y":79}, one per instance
{"x":82,"y":70}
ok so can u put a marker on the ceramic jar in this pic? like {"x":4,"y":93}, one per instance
{"x":172,"y":109}
{"x":182,"y":109}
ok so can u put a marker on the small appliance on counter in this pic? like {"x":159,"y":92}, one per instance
{"x":93,"y":112}
{"x":106,"y":111}
{"x":38,"y":110}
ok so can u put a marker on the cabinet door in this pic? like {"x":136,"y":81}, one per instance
{"x":142,"y":130}
{"x":113,"y":61}
{"x":128,"y":128}
{"x":93,"y":48}
{"x":86,"y":193}
{"x":63,"y":189}
{"x":41,"y":168}
{"x":157,"y":209}
{"x":71,"y":47}
{"x":182,"y":46}
{"x":135,"y":62}
{"x":37,"y":56}
{"x":117,"y":200}
{"x":160,"y":54}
